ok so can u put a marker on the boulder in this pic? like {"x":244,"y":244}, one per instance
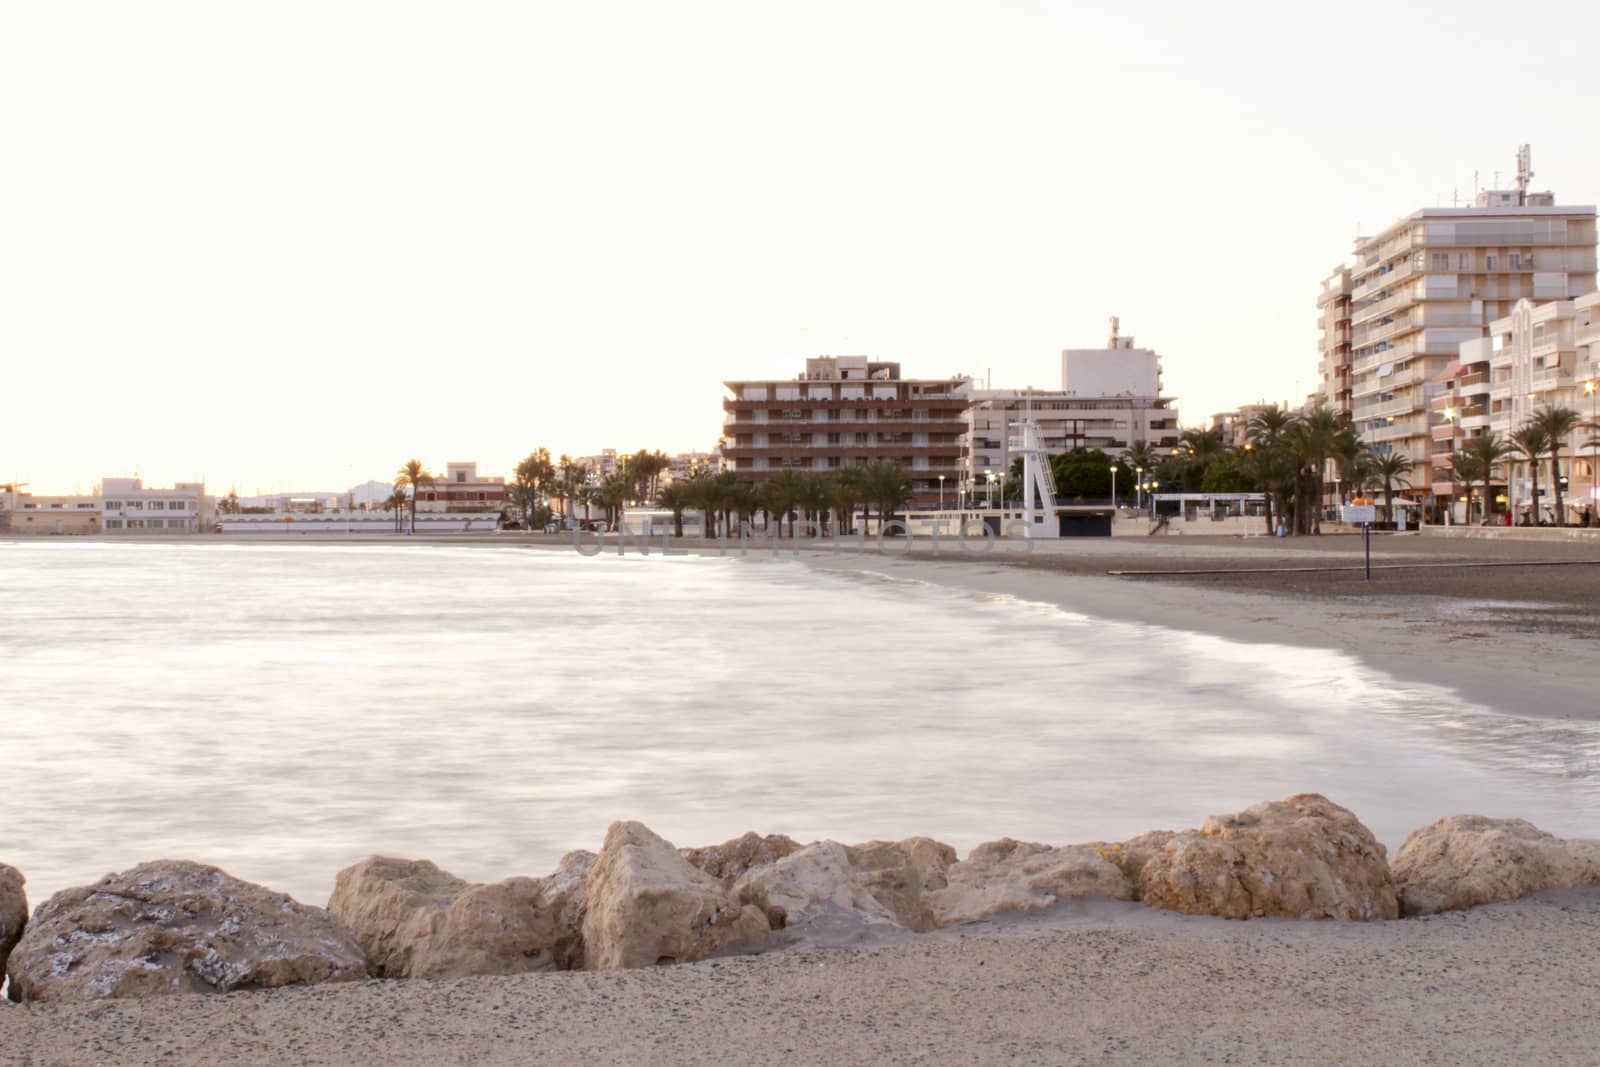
{"x":1302,"y":858}
{"x":1465,"y":860}
{"x":13,"y":911}
{"x":416,"y":921}
{"x":731,"y":859}
{"x":177,"y":927}
{"x":900,"y":874}
{"x":645,"y":904}
{"x":1016,"y":876}
{"x":815,"y":892}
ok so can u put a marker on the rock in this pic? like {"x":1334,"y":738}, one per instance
{"x":1304,"y":858}
{"x":815,"y":893}
{"x":1007,"y":875}
{"x":416,"y":921}
{"x":1465,"y":860}
{"x":13,"y":911}
{"x":177,"y":927}
{"x":1131,"y":855}
{"x":731,"y":859}
{"x":900,"y":874}
{"x":646,"y":904}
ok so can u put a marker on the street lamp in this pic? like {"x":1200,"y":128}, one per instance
{"x":990,"y":504}
{"x":1593,"y":389}
{"x":941,"y":492}
{"x":1138,"y":488}
{"x":1113,"y":487}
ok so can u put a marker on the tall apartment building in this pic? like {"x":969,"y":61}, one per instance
{"x":1110,"y":399}
{"x":1538,"y":356}
{"x":1437,"y":278}
{"x":1333,"y":319}
{"x":847,"y":410}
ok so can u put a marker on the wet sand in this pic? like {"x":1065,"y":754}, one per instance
{"x":1508,"y":983}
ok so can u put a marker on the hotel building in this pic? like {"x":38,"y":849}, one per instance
{"x":1435,"y":279}
{"x":843,"y":411}
{"x":1333,"y":319}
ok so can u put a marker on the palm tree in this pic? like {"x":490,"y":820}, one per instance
{"x":1391,"y":468}
{"x":1557,"y":424}
{"x":886,"y":485}
{"x":1274,"y":464}
{"x":1531,"y":442}
{"x":414,"y":476}
{"x":1142,"y":457}
{"x":675,"y":498}
{"x":1203,"y":444}
{"x":814,"y":498}
{"x":848,"y":491}
{"x":613,"y":495}
{"x":1467,"y":468}
{"x":397,"y":502}
{"x":780,"y":495}
{"x":1489,"y":449}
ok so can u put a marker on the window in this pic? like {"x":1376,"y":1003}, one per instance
{"x":177,"y":505}
{"x":1440,"y":261}
{"x":1463,"y":261}
{"x":113,"y":505}
{"x":135,"y":505}
{"x":177,"y":524}
{"x":113,"y":524}
{"x":1491,"y":262}
{"x":157,"y":505}
{"x":1516,"y":261}
{"x":461,"y":476}
{"x":135,"y":524}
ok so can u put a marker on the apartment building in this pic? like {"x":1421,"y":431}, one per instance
{"x":600,"y":466}
{"x":1110,"y":399}
{"x":25,"y":513}
{"x":1333,"y":319}
{"x":462,"y":489}
{"x":1437,"y":278}
{"x":843,"y":411}
{"x":685,"y":464}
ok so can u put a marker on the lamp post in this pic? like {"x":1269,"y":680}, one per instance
{"x":990,"y":504}
{"x":1138,"y":489}
{"x":1593,"y":389}
{"x":941,"y":492}
{"x":1450,"y":417}
{"x":1113,"y":487}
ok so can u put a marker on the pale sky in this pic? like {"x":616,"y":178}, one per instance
{"x":290,"y":245}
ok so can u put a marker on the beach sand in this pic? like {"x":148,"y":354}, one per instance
{"x":1110,"y":983}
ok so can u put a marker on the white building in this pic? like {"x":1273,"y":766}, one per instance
{"x":1110,"y":399}
{"x":462,"y":489}
{"x":128,"y":506}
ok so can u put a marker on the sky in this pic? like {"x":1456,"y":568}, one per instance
{"x":288,"y":246}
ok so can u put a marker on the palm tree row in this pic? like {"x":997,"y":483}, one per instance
{"x":790,"y":497}
{"x":1545,"y":433}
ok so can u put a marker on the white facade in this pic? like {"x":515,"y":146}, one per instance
{"x":128,"y":506}
{"x":1119,"y":369}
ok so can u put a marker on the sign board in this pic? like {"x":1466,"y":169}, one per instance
{"x":1354,"y":513}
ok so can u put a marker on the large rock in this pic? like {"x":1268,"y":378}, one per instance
{"x":1465,"y":860}
{"x":177,"y":927}
{"x":646,"y":904}
{"x":1016,"y":876}
{"x":13,"y":911}
{"x":1303,"y":858}
{"x":815,"y":893}
{"x":416,"y":921}
{"x":901,"y":874}
{"x":729,"y":860}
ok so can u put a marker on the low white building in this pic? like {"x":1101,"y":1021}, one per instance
{"x":128,"y":506}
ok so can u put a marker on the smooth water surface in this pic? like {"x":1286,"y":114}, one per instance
{"x":285,"y":710}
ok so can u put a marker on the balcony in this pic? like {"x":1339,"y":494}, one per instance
{"x":1403,"y":299}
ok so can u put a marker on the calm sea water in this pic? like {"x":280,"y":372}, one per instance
{"x":283,"y":711}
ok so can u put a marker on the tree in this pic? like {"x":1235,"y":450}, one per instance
{"x":613,"y":495}
{"x":814,"y":498}
{"x":1467,"y":468}
{"x":1203,"y":445}
{"x":1530,"y":442}
{"x":1489,"y":450}
{"x":1085,"y":472}
{"x":886,"y":485}
{"x":1557,"y":423}
{"x":1272,"y":462}
{"x":848,"y":491}
{"x":780,"y":495}
{"x":530,"y":481}
{"x":675,"y":498}
{"x":1390,"y":468}
{"x":1141,"y":457}
{"x":396,"y":503}
{"x":415,"y":477}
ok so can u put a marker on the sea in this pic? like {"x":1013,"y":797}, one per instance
{"x":285,"y":710}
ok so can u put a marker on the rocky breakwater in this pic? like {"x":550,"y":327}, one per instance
{"x":176,"y":927}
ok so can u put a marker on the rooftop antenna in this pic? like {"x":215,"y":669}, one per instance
{"x":1474,"y":185}
{"x":1524,"y":173}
